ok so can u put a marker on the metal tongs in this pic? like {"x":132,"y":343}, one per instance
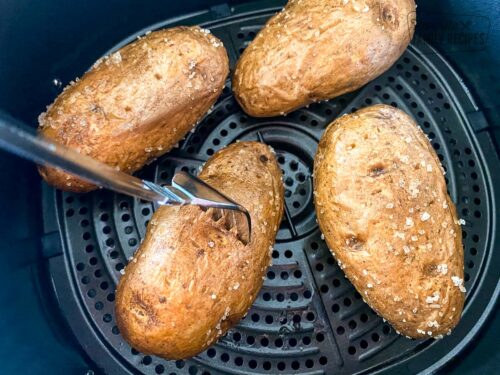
{"x":19,"y":139}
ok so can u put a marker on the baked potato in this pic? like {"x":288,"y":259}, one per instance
{"x":315,"y":50}
{"x":137,"y":103}
{"x":383,"y":207}
{"x":194,"y":277}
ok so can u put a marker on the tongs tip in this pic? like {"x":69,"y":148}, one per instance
{"x":204,"y":195}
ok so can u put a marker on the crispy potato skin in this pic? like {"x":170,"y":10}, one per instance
{"x":316,"y":49}
{"x":383,"y":207}
{"x":192,"y":278}
{"x":137,"y":104}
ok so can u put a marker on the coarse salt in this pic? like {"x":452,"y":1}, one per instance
{"x":433,"y":298}
{"x":116,"y":57}
{"x":399,"y":235}
{"x":457,"y":281}
{"x":443,"y":268}
{"x":425,"y":216}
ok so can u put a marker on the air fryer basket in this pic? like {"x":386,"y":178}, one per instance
{"x":308,"y":318}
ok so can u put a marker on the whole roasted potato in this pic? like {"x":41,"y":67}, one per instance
{"x":194,"y":277}
{"x":383,"y":208}
{"x":315,"y":49}
{"x":137,"y":103}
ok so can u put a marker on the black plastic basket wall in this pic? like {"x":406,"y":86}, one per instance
{"x":308,"y":318}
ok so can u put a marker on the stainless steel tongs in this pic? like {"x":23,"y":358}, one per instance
{"x":19,"y":139}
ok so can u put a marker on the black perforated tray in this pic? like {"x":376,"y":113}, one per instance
{"x":308,"y":318}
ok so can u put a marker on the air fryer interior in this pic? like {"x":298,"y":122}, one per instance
{"x":307,"y":318}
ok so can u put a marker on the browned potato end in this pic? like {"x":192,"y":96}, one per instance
{"x":383,"y":207}
{"x":138,"y":103}
{"x":193,"y":277}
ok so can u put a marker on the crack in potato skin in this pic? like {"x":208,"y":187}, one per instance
{"x":194,"y":275}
